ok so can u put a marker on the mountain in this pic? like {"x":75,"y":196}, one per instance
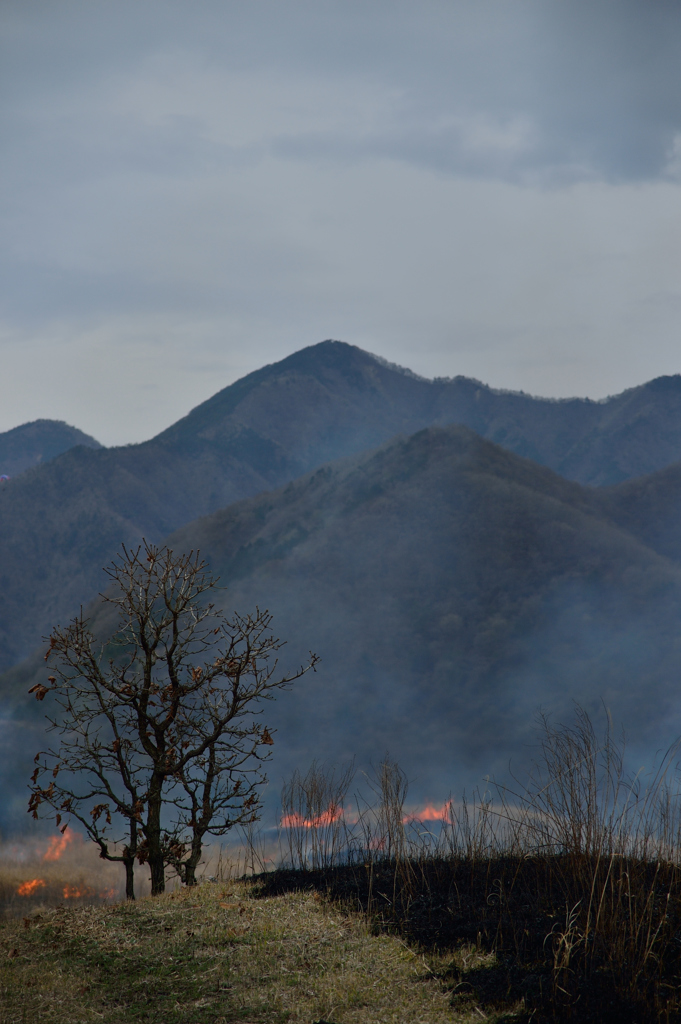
{"x":333,"y":399}
{"x":649,"y":508}
{"x":38,"y":442}
{"x":450,"y":587}
{"x":61,"y":522}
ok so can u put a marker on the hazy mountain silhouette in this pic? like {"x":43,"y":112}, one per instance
{"x":59,"y":523}
{"x":450,"y":587}
{"x":333,"y":399}
{"x":38,"y":442}
{"x":649,"y":507}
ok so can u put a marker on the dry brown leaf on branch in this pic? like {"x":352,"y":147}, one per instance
{"x":39,"y":691}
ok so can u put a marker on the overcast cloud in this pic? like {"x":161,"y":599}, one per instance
{"x":190,"y":190}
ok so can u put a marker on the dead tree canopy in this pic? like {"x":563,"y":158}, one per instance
{"x":161,"y":741}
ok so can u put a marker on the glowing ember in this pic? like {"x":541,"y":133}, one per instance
{"x":74,"y":892}
{"x":58,"y":844}
{"x":28,"y":888}
{"x":325,"y":818}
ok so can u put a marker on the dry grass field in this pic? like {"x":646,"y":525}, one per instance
{"x":558,"y":903}
{"x":219,"y":953}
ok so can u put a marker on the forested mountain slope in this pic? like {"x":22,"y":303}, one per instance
{"x":450,"y":587}
{"x":649,"y":507}
{"x":59,"y":523}
{"x":37,"y":442}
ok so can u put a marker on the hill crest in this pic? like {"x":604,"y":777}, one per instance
{"x":35,"y":443}
{"x":62,"y":521}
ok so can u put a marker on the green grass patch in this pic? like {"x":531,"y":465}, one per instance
{"x":220,"y":954}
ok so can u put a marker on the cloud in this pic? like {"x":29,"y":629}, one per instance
{"x":527,"y":91}
{"x":462,"y":187}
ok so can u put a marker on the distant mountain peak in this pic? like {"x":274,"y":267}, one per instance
{"x":668,"y":384}
{"x":37,"y":442}
{"x":396,"y":367}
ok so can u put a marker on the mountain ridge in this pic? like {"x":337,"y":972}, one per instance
{"x":450,"y":587}
{"x":60,"y":522}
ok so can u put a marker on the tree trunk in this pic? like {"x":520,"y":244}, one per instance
{"x":192,"y":862}
{"x":129,"y":878}
{"x":129,"y":860}
{"x":158,"y":876}
{"x":152,"y":832}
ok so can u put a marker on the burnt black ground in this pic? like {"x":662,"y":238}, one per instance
{"x":515,"y":907}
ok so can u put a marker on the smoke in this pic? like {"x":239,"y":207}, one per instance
{"x":451,"y":590}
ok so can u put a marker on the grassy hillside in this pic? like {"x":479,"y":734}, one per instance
{"x":558,"y":901}
{"x":61,"y":522}
{"x":214,"y":955}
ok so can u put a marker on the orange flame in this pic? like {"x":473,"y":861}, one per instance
{"x":58,"y":844}
{"x":333,"y":813}
{"x":107,"y":894}
{"x":28,"y":888}
{"x":430,"y":813}
{"x":73,"y":892}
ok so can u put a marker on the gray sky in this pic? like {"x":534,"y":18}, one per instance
{"x":191,"y":190}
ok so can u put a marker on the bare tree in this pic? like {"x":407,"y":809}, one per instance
{"x":160,"y":743}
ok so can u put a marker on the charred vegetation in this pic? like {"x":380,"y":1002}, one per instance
{"x":567,"y":889}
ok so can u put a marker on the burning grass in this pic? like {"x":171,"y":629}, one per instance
{"x":58,"y":869}
{"x":557,"y":902}
{"x":571,"y":882}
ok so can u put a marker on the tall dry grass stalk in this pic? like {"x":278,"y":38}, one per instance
{"x":381,"y":822}
{"x":573,"y":871}
{"x":608,"y":846}
{"x":312,"y":816}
